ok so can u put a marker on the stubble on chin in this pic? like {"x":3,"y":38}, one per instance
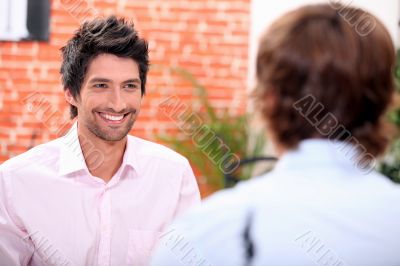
{"x":110,"y":134}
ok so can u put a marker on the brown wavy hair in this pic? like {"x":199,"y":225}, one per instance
{"x":339,"y":61}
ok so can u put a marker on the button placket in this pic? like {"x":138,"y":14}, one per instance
{"x":105,"y":229}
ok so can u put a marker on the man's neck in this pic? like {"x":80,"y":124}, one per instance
{"x":103,"y":158}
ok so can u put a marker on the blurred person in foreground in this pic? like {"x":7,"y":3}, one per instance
{"x":96,"y":196}
{"x":323,"y":88}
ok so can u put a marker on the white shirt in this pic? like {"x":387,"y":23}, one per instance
{"x":315,"y":208}
{"x":54,"y":212}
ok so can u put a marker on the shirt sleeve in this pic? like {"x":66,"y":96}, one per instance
{"x":15,"y":248}
{"x":189,"y":194}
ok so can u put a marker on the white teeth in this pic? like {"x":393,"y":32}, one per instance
{"x":112,"y":117}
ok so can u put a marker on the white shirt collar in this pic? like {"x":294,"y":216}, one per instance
{"x":318,"y":152}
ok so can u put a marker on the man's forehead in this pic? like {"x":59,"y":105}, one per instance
{"x":108,"y":66}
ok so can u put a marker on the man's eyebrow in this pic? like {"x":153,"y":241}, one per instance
{"x":93,"y":80}
{"x":132,"y":81}
{"x":104,"y":80}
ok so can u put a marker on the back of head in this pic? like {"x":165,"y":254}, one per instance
{"x":342,"y":59}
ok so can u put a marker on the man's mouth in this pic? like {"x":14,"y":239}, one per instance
{"x":113,"y":119}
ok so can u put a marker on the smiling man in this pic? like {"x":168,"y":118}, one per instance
{"x":96,"y":196}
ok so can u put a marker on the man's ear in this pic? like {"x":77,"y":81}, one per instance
{"x":69,"y":98}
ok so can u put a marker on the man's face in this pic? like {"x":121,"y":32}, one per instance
{"x":110,"y":97}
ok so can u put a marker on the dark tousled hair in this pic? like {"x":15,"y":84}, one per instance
{"x":109,"y":35}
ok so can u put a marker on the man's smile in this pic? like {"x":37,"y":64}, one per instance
{"x":113,"y":118}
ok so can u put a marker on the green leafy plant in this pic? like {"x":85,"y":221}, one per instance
{"x":390,"y":164}
{"x":229,"y":134}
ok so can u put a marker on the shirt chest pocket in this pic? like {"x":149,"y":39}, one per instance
{"x":140,"y":246}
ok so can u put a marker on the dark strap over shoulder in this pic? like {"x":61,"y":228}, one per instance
{"x":248,"y":243}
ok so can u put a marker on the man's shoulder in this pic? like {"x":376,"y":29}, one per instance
{"x":218,"y":224}
{"x":380,"y":187}
{"x":229,"y":204}
{"x":146,"y":148}
{"x":38,"y":156}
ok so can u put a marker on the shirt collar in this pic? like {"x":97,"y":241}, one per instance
{"x":130,"y":155}
{"x":72,"y":159}
{"x":319,"y":153}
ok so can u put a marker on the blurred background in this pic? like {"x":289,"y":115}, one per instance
{"x":202,"y":54}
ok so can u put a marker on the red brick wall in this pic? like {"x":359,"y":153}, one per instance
{"x":207,"y":38}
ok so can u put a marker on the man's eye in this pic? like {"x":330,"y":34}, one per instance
{"x":131,"y":86}
{"x":100,"y":85}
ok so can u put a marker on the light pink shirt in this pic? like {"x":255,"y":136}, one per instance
{"x":54,"y":212}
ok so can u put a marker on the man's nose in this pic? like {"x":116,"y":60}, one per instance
{"x":116,"y":100}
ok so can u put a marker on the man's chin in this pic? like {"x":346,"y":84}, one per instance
{"x":112,"y":138}
{"x":112,"y":135}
